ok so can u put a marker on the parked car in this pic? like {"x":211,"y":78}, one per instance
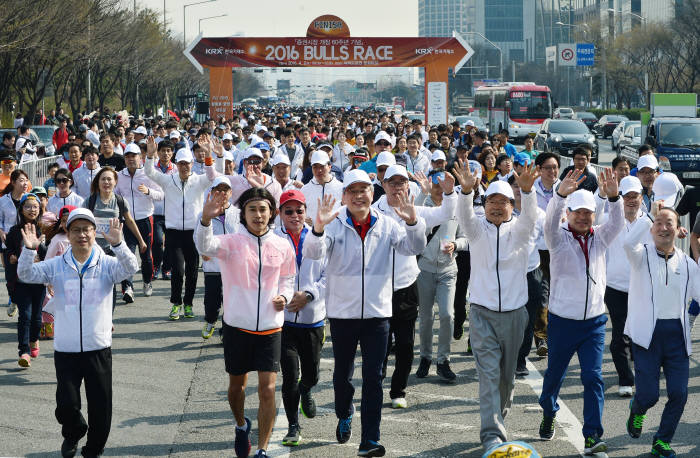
{"x":562,"y":136}
{"x":626,"y":134}
{"x":564,"y":113}
{"x":607,"y":123}
{"x":588,"y":118}
{"x":617,"y":133}
{"x":40,"y":136}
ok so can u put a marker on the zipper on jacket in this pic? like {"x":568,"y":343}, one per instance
{"x":498,"y":275}
{"x":666,"y":265}
{"x":257,"y":323}
{"x":362,"y":314}
{"x":80,"y":309}
{"x":183,"y":204}
{"x":296,"y":316}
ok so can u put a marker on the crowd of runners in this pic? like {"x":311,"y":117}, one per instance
{"x":361,"y":223}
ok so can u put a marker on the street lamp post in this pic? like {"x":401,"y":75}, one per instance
{"x":500,"y":51}
{"x":184,"y":19}
{"x":210,"y":17}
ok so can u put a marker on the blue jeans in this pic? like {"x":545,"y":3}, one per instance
{"x":372,"y":334}
{"x":667,"y":350}
{"x":586,"y":338}
{"x":29,"y":299}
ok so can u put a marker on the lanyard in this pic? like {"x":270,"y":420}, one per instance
{"x":299,"y":244}
{"x":85,"y":266}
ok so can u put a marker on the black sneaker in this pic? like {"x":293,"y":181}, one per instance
{"x":293,"y":436}
{"x":343,"y":432}
{"x":241,"y":444}
{"x":458,"y":332}
{"x":445,"y":373}
{"x":521,"y":371}
{"x":635,"y":423}
{"x":660,"y":448}
{"x":423,"y":367}
{"x":308,"y":405}
{"x":69,"y":448}
{"x":371,"y":448}
{"x":542,"y":348}
{"x":547,"y":428}
{"x":594,"y":445}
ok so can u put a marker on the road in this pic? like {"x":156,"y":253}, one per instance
{"x":170,"y":399}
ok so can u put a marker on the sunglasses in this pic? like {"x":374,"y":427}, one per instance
{"x":254,"y":161}
{"x":383,"y":143}
{"x":62,"y":180}
{"x":298,"y":211}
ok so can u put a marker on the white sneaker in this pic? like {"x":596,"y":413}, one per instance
{"x":128,"y":296}
{"x":399,"y":403}
{"x":147,"y":289}
{"x":625,"y":391}
{"x":11,"y":309}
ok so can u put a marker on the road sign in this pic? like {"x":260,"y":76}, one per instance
{"x":551,"y":54}
{"x":585,"y":54}
{"x":566,"y":55}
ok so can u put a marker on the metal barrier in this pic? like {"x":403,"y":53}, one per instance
{"x":38,"y":170}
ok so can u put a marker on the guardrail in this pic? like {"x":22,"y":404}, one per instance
{"x":38,"y":170}
{"x":682,"y":244}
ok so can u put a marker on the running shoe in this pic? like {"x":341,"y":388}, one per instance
{"x":208,"y":330}
{"x":147,"y":289}
{"x":69,"y":448}
{"x":445,"y":373}
{"x":399,"y":403}
{"x":261,"y":454}
{"x":166,"y":275}
{"x":11,"y":309}
{"x":661,"y":448}
{"x":242,"y":444}
{"x":293,"y":436}
{"x":34,"y":349}
{"x":175,"y":312}
{"x":24,"y":361}
{"x":458,"y":332}
{"x":594,"y":445}
{"x":542,"y":349}
{"x":128,"y":296}
{"x":522,"y":371}
{"x":625,"y":391}
{"x":308,"y":405}
{"x":188,"y":311}
{"x":371,"y":448}
{"x":423,"y":368}
{"x":635,"y":422}
{"x":343,"y":432}
{"x":547,"y":428}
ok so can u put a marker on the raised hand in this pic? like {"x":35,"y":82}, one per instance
{"x":656,"y":206}
{"x":608,"y":183}
{"x":527,"y":178}
{"x":29,"y":237}
{"x":213,"y":206}
{"x":466,"y":178}
{"x":325,"y":213}
{"x":151,"y":147}
{"x":114,"y":236}
{"x":423,"y":182}
{"x":571,"y":182}
{"x":405,"y":208}
{"x":447,"y":184}
{"x":217,"y":147}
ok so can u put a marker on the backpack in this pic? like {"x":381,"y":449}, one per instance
{"x":121,"y":204}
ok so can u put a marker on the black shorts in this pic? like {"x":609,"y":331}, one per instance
{"x":245,"y":352}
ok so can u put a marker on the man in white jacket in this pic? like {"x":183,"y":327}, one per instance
{"x":323,"y":183}
{"x":576,"y":320}
{"x":82,"y":279}
{"x":499,"y":245}
{"x":663,"y":279}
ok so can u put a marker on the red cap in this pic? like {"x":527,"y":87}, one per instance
{"x":66,"y":209}
{"x":292,"y":194}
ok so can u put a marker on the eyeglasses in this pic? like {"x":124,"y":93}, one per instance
{"x":290,"y":212}
{"x":62,"y":180}
{"x":253,"y":161}
{"x":383,"y":143}
{"x":81,"y":230}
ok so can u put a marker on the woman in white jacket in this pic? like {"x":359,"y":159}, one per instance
{"x":663,"y":279}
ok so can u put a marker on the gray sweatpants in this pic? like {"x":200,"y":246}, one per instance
{"x":496,"y":338}
{"x":440,"y":288}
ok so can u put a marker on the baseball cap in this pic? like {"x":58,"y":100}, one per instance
{"x":29,"y":195}
{"x":280,"y":159}
{"x":83,"y":128}
{"x":268,"y":135}
{"x":360,"y":153}
{"x":39,"y":190}
{"x":262,"y":146}
{"x":227,"y":136}
{"x":382,"y":136}
{"x":220,"y":180}
{"x":320,"y":157}
{"x":228,"y":156}
{"x":394,"y":170}
{"x":174,"y":134}
{"x":259,"y":128}
{"x":521,"y":159}
{"x":250,"y":152}
{"x":648,"y":161}
{"x":386,"y":158}
{"x":438,"y":155}
{"x":80,"y":213}
{"x":630,"y":184}
{"x":580,"y":199}
{"x":356,"y":176}
{"x":132,"y":148}
{"x":140,"y":130}
{"x":469,"y":123}
{"x":324,"y":145}
{"x":667,"y":187}
{"x":292,"y":195}
{"x":66,"y":209}
{"x":503,"y":188}
{"x":183,"y":155}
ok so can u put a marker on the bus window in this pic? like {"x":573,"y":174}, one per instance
{"x":499,"y":99}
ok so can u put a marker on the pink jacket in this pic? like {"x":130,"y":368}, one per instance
{"x":249,"y":285}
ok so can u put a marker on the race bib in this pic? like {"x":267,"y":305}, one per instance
{"x":102,"y":225}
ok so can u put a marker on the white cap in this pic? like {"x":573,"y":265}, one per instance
{"x":132,"y":148}
{"x":648,"y":161}
{"x":438,"y":155}
{"x":500,"y":187}
{"x":259,"y":128}
{"x":228,"y":156}
{"x":630,"y":184}
{"x":227,"y":136}
{"x":580,"y":199}
{"x":80,"y":213}
{"x":356,"y":176}
{"x":221,"y":179}
{"x":394,"y":170}
{"x":667,"y":187}
{"x":140,"y":130}
{"x":281,"y":158}
{"x":250,"y":152}
{"x":386,"y":158}
{"x":469,"y":123}
{"x":174,"y":134}
{"x":320,"y":157}
{"x":183,"y":155}
{"x":382,"y":136}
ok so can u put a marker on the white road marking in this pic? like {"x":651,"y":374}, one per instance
{"x":275,"y":447}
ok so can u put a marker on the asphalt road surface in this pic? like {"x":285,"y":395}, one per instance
{"x":170,"y":399}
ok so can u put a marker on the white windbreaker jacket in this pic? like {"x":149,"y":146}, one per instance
{"x":83,"y":302}
{"x":358,"y":272}
{"x":141,"y":204}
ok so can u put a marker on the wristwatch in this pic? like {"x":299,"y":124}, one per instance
{"x":309,"y":296}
